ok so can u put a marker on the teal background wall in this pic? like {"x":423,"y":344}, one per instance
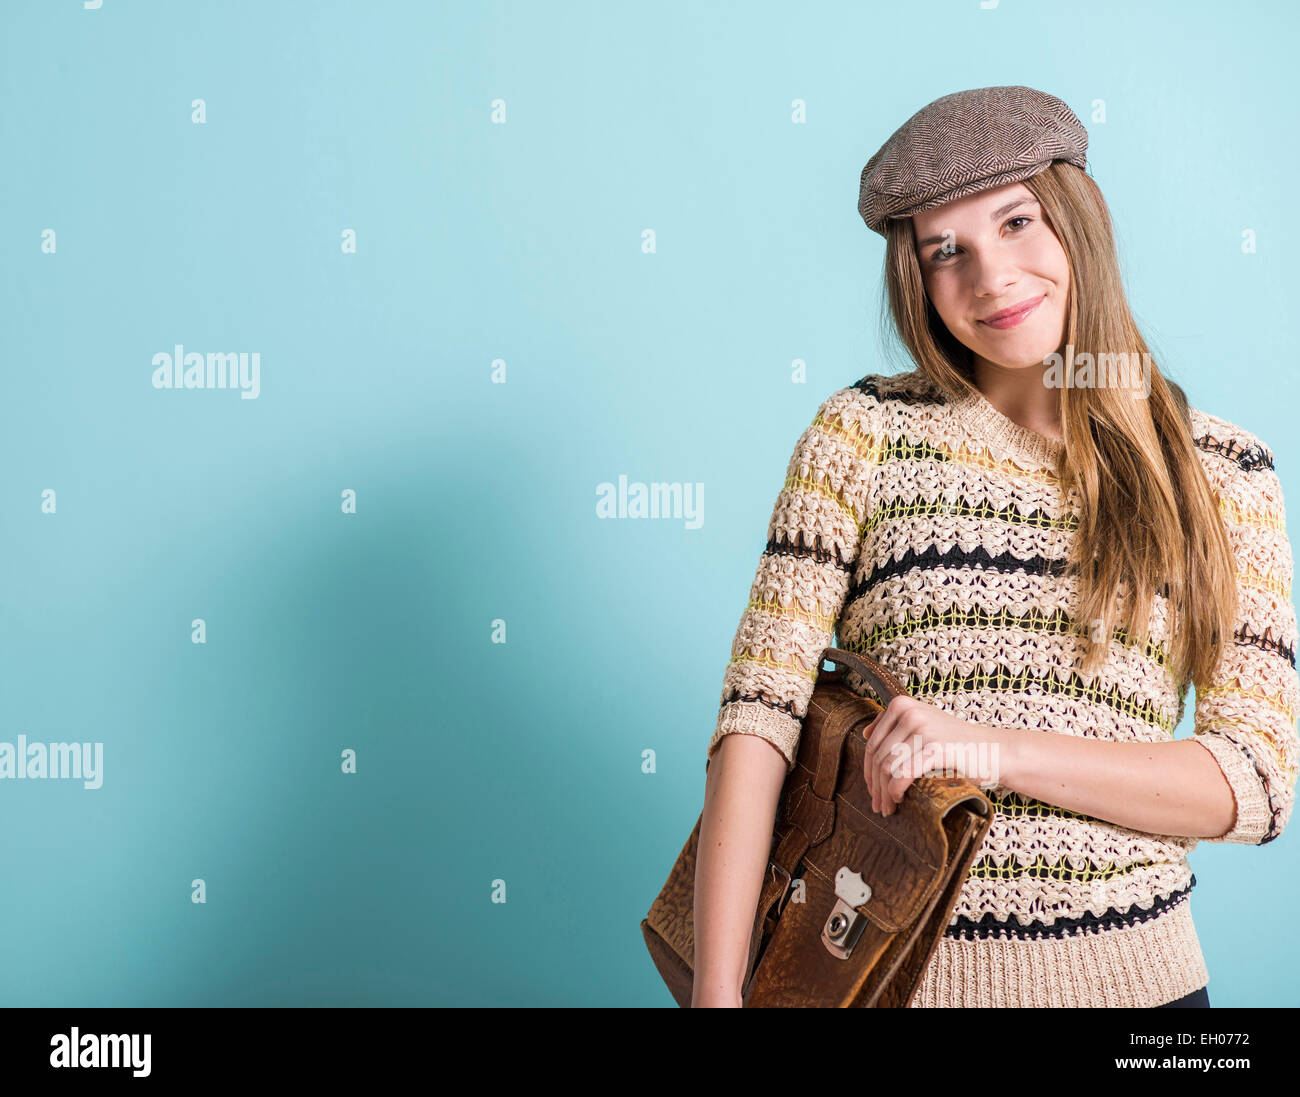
{"x":478,"y":242}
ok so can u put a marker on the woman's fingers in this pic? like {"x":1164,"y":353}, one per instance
{"x":897,"y":785}
{"x":868,"y":772}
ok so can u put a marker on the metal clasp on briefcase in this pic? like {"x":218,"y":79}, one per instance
{"x":845,"y":925}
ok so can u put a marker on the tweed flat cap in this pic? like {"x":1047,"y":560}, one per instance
{"x":966,"y":142}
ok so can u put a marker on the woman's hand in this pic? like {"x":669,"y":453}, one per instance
{"x":912,"y":739}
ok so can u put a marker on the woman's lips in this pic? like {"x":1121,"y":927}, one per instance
{"x":1015,"y":317}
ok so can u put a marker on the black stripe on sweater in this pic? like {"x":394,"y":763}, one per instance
{"x":906,"y":388}
{"x":1247,"y":638}
{"x":967,"y":929}
{"x":957,"y":557}
{"x":1252,"y":458}
{"x":931,"y":559}
{"x":760,"y":698}
{"x":780,"y":545}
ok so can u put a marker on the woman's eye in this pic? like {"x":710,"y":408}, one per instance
{"x":941,"y":256}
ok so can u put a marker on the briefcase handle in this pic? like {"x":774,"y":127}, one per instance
{"x":881,"y":682}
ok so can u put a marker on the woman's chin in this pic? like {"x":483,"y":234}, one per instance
{"x":1004,"y":360}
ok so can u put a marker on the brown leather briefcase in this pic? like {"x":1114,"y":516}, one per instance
{"x":877,"y":890}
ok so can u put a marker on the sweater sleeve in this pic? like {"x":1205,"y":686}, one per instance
{"x":1246,"y":715}
{"x":803,"y":579}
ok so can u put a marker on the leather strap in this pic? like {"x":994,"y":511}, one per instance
{"x":882,"y":683}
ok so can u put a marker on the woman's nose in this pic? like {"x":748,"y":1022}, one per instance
{"x":992,"y":275}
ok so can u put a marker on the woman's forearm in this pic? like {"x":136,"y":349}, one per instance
{"x":742,"y":790}
{"x":1159,"y":788}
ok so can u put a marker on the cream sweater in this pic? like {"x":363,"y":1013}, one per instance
{"x":931,"y":534}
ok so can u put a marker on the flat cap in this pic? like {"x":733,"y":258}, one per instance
{"x":966,"y":142}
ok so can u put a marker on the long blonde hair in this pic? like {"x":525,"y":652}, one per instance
{"x":1149,"y":519}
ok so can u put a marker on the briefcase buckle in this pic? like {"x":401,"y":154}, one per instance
{"x":845,"y":925}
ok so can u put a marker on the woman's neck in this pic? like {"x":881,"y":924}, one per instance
{"x":1020,"y":395}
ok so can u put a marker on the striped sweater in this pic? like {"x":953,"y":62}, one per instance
{"x":931,"y":533}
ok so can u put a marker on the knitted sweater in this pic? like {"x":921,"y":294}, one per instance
{"x":931,"y":533}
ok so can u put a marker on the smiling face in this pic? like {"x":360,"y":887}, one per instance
{"x":999,"y":253}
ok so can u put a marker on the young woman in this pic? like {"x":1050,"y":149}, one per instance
{"x":1047,"y":545}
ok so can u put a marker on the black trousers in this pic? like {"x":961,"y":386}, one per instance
{"x":1196,"y":998}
